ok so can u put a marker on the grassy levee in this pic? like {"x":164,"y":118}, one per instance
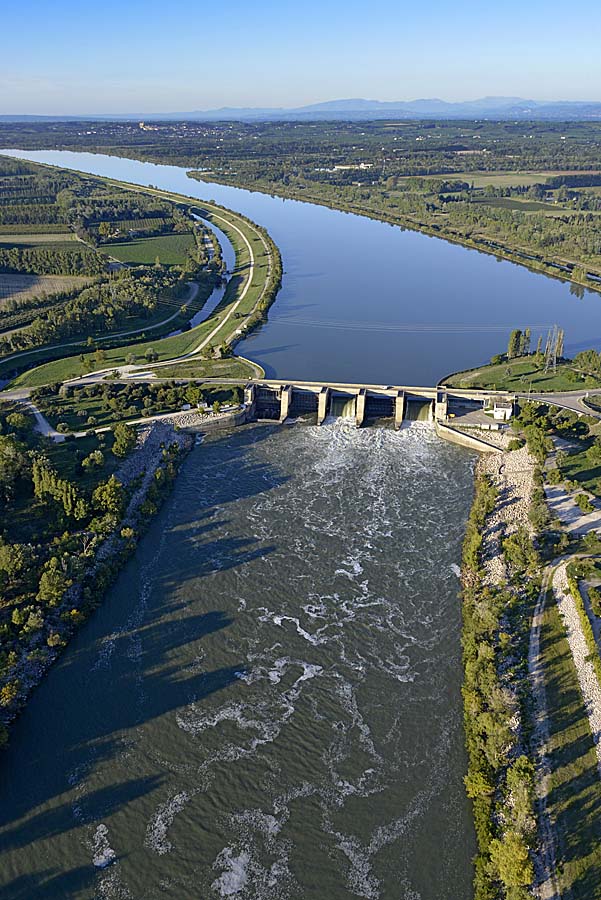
{"x":574,"y":797}
{"x":197,"y":368}
{"x":520,"y":374}
{"x":252,"y":287}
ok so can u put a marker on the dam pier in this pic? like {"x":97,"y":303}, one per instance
{"x":280,"y":401}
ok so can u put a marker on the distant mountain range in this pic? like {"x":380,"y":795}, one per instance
{"x":497,"y":108}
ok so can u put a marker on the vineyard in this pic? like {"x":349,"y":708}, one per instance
{"x":26,"y":287}
{"x":156,"y":223}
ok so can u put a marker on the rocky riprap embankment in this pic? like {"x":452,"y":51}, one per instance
{"x":512,"y":473}
{"x":142,"y":464}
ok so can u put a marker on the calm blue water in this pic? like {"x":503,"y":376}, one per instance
{"x":364,"y":301}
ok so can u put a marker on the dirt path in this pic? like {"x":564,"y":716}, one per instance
{"x":546,"y":859}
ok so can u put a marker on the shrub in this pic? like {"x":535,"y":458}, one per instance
{"x":584,"y":503}
{"x":10,"y":692}
{"x":595,"y":598}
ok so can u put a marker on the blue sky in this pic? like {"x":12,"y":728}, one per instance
{"x":175,"y":55}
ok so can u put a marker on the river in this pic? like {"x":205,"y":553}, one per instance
{"x":366,"y":302}
{"x":267,"y":705}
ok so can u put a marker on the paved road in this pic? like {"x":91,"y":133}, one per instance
{"x":567,"y":400}
{"x":42,"y":424}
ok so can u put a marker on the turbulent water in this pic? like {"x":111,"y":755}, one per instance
{"x":267,"y":705}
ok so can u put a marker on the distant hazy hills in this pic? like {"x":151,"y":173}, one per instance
{"x":486,"y":108}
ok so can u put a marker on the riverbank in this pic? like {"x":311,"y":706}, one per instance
{"x":146,"y":476}
{"x":500,"y":779}
{"x":523,"y":374}
{"x":561,"y":270}
{"x":527,"y":634}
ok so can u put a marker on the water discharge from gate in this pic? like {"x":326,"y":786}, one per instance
{"x":267,"y":705}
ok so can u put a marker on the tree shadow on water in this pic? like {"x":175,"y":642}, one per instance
{"x":94,"y":807}
{"x":125,"y":668}
{"x":95,"y":728}
{"x":49,"y":884}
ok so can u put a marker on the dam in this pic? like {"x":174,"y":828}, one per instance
{"x":278,"y":401}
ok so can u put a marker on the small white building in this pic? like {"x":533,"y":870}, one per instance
{"x":502,"y":410}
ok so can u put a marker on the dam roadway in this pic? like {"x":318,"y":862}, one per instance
{"x":459,"y":415}
{"x":294,"y":397}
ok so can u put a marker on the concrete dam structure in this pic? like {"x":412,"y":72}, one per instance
{"x":279,"y":401}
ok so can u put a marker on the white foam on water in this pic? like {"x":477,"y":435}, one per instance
{"x":244,"y":876}
{"x":352,"y":570}
{"x":194,"y":722}
{"x":384,"y":638}
{"x":360,"y":878}
{"x":111,"y":887}
{"x":235,"y":875}
{"x":103,"y":853}
{"x":157,"y":829}
{"x":455,"y":570}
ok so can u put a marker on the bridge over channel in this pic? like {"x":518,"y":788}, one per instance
{"x":278,"y":400}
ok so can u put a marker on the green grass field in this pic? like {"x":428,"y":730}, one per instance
{"x":512,"y":179}
{"x":574,"y":798}
{"x":231,"y":367}
{"x":170,"y":249}
{"x":521,"y":375}
{"x":75,"y":413}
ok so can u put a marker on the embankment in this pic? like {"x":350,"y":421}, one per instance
{"x":147,"y":476}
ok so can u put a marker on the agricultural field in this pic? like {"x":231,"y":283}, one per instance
{"x":55,"y":229}
{"x":25,"y":287}
{"x":38,"y":229}
{"x":521,"y":205}
{"x":169,"y":249}
{"x":31,"y":238}
{"x":519,"y":179}
{"x":156,"y":223}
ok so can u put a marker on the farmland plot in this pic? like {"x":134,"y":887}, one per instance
{"x":23,"y":287}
